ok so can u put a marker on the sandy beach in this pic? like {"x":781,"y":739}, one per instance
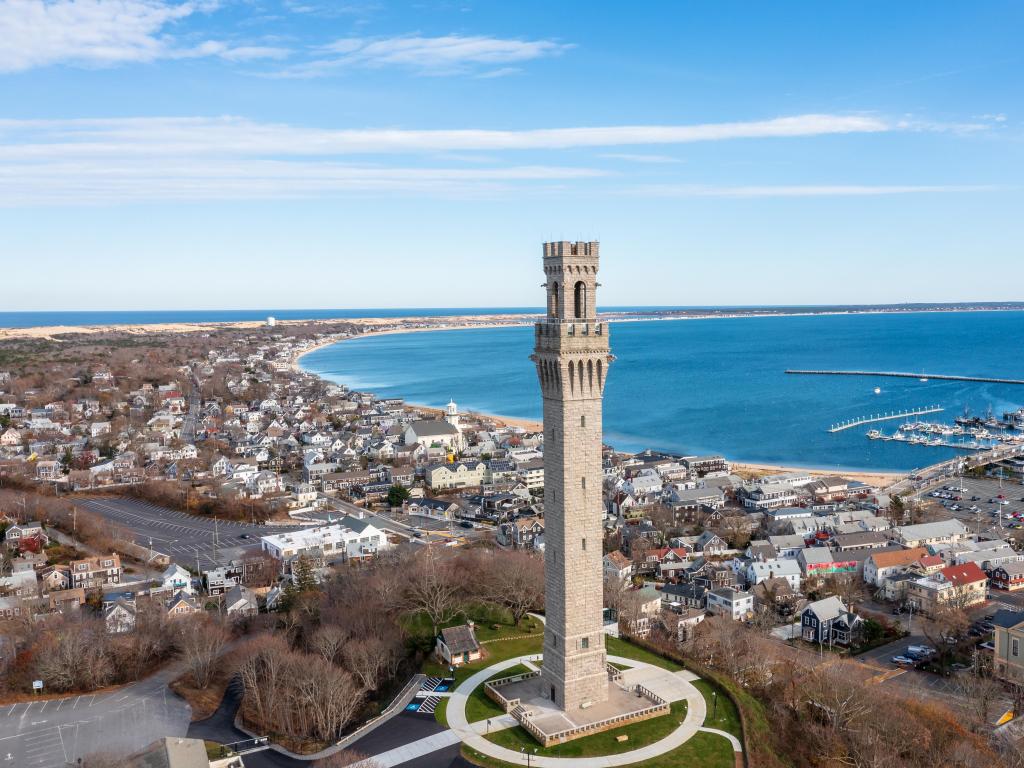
{"x":877,"y":479}
{"x":374,"y":324}
{"x":454,"y":322}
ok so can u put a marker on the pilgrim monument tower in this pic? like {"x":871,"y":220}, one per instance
{"x":572,"y":357}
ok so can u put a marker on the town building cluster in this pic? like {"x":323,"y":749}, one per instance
{"x":245,"y":427}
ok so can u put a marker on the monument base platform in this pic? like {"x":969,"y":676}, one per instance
{"x":524,"y":697}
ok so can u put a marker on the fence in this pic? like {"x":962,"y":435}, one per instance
{"x":491,"y":689}
{"x":661,"y":708}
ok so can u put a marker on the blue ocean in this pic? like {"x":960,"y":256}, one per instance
{"x":719,"y":385}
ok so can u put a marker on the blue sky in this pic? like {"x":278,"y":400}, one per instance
{"x":304,"y":153}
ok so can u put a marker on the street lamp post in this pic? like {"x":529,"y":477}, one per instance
{"x":714,"y":699}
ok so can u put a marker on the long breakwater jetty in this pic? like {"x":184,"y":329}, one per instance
{"x":905,"y":375}
{"x":883,"y":417}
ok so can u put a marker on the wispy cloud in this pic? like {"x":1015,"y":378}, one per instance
{"x":631,"y":157}
{"x":116,"y":159}
{"x":448,"y":54}
{"x":91,"y":182}
{"x":239,"y":136}
{"x":804,"y":190}
{"x":100,"y":33}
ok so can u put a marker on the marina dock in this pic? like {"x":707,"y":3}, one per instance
{"x":884,"y":417}
{"x":906,"y":375}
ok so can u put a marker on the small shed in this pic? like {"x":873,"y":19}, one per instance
{"x":458,"y":645}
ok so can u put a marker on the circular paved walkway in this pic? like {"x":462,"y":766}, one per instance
{"x":696,"y":711}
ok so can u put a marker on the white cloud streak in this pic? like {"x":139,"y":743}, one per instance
{"x":91,"y":182}
{"x":23,"y":139}
{"x":103,"y":33}
{"x":803,"y":190}
{"x":444,"y":55}
{"x":202,"y":158}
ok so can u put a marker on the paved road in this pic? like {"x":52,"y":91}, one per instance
{"x":188,"y":426}
{"x":188,"y":539}
{"x":916,"y":683}
{"x":52,"y":733}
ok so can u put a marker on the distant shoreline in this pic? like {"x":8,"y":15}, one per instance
{"x":490,"y":319}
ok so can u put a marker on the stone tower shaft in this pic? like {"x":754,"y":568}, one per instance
{"x":572,"y":356}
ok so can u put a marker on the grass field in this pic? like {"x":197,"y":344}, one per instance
{"x":727,"y":717}
{"x":499,"y":641}
{"x":704,"y":750}
{"x":618,"y":647}
{"x":479,"y":706}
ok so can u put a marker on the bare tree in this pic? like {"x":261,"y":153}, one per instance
{"x":372,"y":659}
{"x":981,"y":694}
{"x":200,"y":640}
{"x":432,"y":586}
{"x":327,"y":641}
{"x":516,"y":582}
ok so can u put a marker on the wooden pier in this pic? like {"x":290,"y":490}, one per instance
{"x":884,"y":417}
{"x":905,"y":375}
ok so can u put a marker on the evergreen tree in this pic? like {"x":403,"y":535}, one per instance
{"x":397,"y":495}
{"x":302,"y":575}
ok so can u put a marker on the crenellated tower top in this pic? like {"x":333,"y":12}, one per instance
{"x":571,"y":349}
{"x":571,"y":270}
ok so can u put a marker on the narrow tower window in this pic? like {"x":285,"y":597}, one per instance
{"x":584,"y":542}
{"x":583,"y":483}
{"x":583,"y":420}
{"x":553,"y":309}
{"x":581,"y":300}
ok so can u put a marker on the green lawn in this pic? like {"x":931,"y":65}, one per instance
{"x":479,"y":706}
{"x":494,"y":652}
{"x":619,"y":647}
{"x":640,"y":734}
{"x":728,"y":718}
{"x":491,"y":622}
{"x":705,"y":750}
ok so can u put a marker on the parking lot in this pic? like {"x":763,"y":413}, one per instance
{"x":51,"y":733}
{"x":978,"y":492}
{"x":188,"y":539}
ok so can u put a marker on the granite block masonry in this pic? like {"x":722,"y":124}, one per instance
{"x":572,"y":358}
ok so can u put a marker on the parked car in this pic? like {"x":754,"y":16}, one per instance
{"x":901,"y":660}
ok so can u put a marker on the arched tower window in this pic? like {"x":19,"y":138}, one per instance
{"x":581,"y":300}
{"x":553,"y":301}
